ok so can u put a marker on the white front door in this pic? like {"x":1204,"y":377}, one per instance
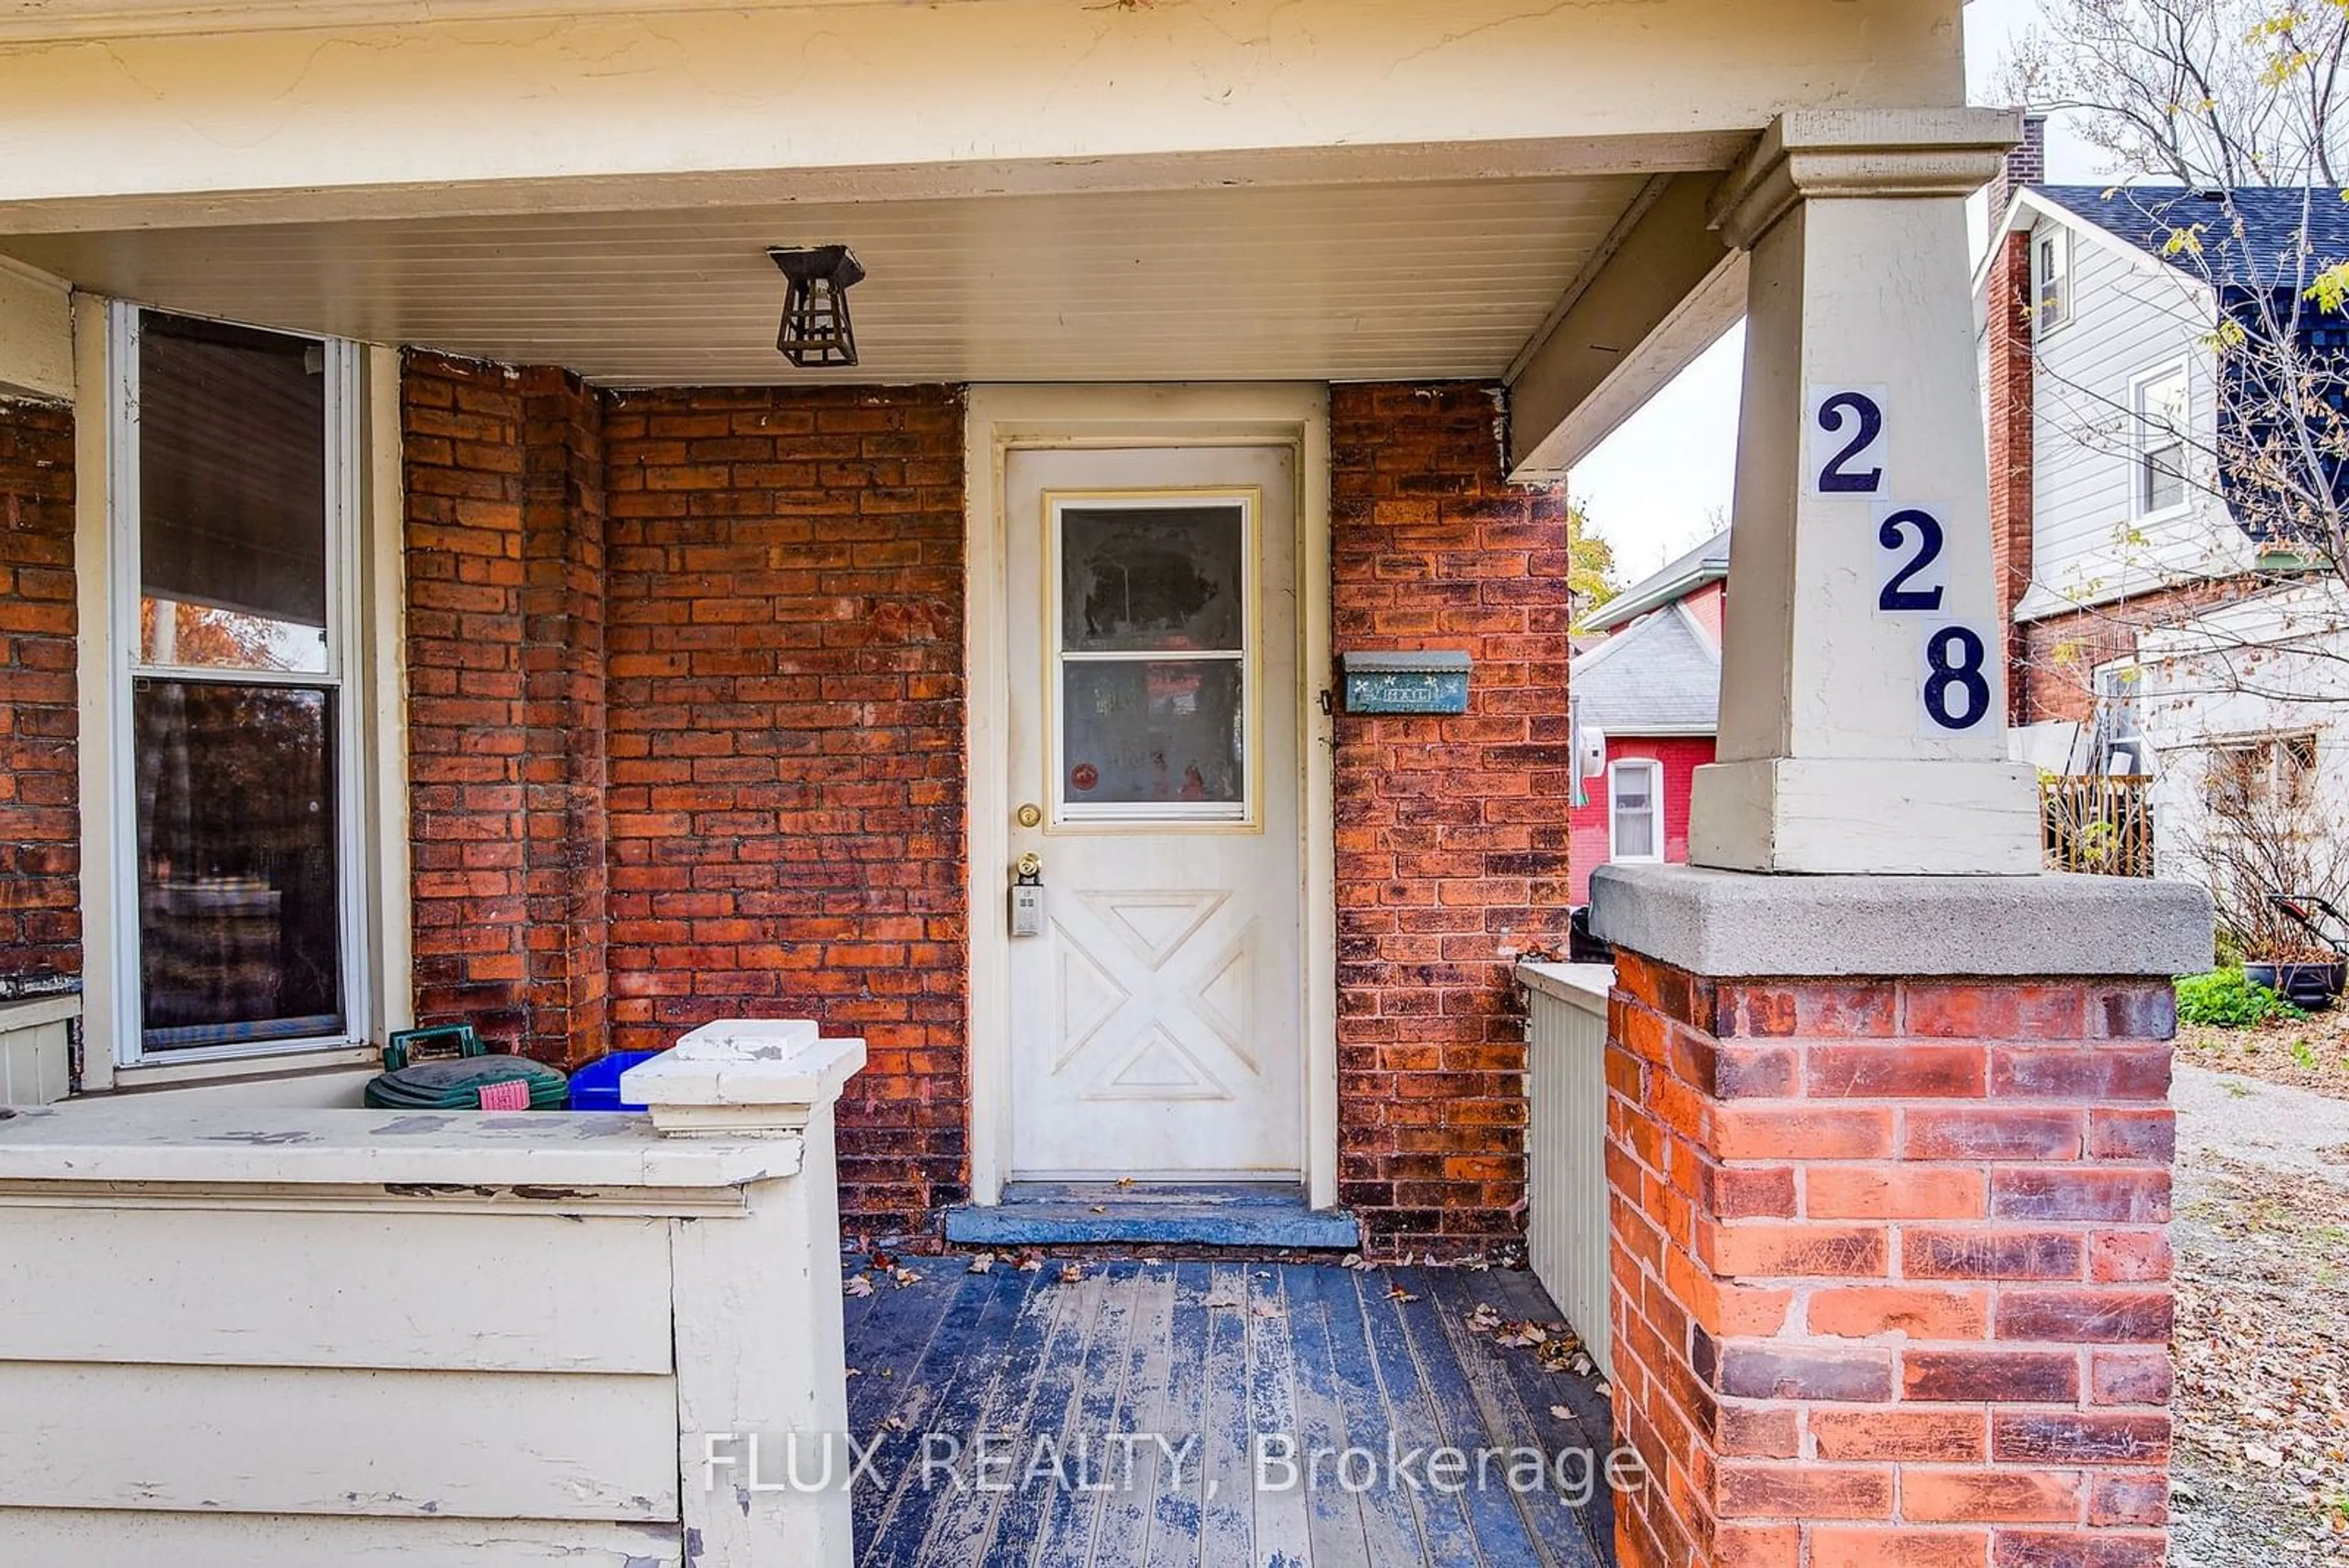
{"x":1154,"y":768}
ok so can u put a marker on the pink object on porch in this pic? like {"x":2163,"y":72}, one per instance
{"x":514,"y":1094}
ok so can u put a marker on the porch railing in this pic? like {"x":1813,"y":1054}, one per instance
{"x":1565,"y":1211}
{"x":281,"y":1336}
{"x":2098,"y":822}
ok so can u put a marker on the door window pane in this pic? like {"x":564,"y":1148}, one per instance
{"x":1158,"y":578}
{"x":239,"y":916}
{"x":231,"y":498}
{"x":1156,"y":731}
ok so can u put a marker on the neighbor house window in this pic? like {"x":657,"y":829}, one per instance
{"x":2160,"y":402}
{"x":2266,"y":771}
{"x":232,"y":500}
{"x":2051,"y":277}
{"x":1635,"y":810}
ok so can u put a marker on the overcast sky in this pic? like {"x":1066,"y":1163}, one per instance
{"x":1661,"y":484}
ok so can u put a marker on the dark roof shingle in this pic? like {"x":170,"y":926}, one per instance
{"x":2263,"y":255}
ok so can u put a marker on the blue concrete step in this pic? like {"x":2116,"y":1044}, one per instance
{"x":1268,"y":1215}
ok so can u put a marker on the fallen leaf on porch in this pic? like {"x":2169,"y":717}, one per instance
{"x":906,"y":1276}
{"x":1225,"y":1295}
{"x":1072,"y":1273}
{"x":981,"y":1261}
{"x":1356,"y":1261}
{"x":883,"y":1261}
{"x":1125,"y":1182}
{"x":895,"y":1424}
{"x":856,"y":1285}
{"x":1098,"y":1209}
{"x":1028,"y":1262}
{"x":853,"y":1371}
{"x":1269,"y":1309}
{"x":1485,"y":1318}
{"x":1514,"y":1334}
{"x":1479,"y":1265}
{"x":1605,"y":1390}
{"x":1397,"y":1293}
{"x":1561,"y":1412}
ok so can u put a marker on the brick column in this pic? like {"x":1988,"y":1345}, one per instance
{"x":1891,"y":1277}
{"x":2012,"y":426}
{"x":1452,"y":832}
{"x":40,"y":813}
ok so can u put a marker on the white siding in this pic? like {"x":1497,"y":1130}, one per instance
{"x":2088,"y":544}
{"x":1566,"y":1218}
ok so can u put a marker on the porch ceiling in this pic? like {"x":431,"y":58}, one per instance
{"x":1316,"y":282}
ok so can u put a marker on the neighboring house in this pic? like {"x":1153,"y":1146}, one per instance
{"x":1646,"y":706}
{"x":2112,"y":406}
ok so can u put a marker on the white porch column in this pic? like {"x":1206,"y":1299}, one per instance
{"x":760,"y":1354}
{"x":1862,"y":699}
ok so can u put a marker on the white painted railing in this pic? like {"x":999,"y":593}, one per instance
{"x":1566,"y":1216}
{"x":260,"y":1337}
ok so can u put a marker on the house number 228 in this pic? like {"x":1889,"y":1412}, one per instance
{"x":1846,"y":431}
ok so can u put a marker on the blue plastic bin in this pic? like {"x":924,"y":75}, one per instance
{"x":596,"y":1086}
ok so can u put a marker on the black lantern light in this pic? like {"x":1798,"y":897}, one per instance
{"x":816,"y":333}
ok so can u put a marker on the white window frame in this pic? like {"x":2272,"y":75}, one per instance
{"x":347,"y":473}
{"x":1654,"y":768}
{"x":2141,"y":448}
{"x":2053,"y":239}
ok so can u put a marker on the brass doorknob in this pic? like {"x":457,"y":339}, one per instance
{"x":1030,"y":815}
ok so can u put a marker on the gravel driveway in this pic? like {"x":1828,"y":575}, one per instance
{"x":2262,"y":1473}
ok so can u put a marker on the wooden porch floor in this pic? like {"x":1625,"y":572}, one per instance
{"x":1121,"y":1406}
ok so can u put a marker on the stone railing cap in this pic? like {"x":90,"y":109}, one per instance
{"x":1735,"y":923}
{"x":742,"y":1075}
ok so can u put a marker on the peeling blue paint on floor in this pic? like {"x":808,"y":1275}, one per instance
{"x":1262,"y":1215}
{"x":1141,"y":1414}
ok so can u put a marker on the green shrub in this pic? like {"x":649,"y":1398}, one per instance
{"x":2224,"y":997}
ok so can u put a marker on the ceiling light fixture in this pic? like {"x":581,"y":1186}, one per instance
{"x":816,"y":333}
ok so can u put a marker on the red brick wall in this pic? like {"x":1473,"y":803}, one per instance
{"x":786,"y":746}
{"x":1891,"y":1277}
{"x":1681,"y":756}
{"x":40,"y":833}
{"x":505,"y":627}
{"x":1452,"y":833}
{"x":2057,"y":658}
{"x":2011,"y":416}
{"x":564,"y":878}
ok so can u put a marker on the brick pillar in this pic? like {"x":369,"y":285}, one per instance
{"x":564,"y":878}
{"x":506,"y":590}
{"x":1452,"y":832}
{"x":40,"y":812}
{"x":1891,"y":1276}
{"x":2010,"y":417}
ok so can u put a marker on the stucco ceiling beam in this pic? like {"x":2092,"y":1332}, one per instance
{"x":1663,"y":288}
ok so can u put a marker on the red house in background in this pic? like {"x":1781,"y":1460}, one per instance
{"x":1646,"y":703}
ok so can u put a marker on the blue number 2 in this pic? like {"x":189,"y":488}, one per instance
{"x":1898,"y":595}
{"x":1833,"y":479}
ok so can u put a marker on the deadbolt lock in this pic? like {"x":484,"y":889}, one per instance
{"x":1030,"y":815}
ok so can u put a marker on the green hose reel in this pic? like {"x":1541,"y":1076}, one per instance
{"x":412,"y":1081}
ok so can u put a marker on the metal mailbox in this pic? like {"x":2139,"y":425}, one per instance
{"x":1426,"y":680}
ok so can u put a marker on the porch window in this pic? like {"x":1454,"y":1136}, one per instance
{"x":233,"y":499}
{"x":2160,"y":402}
{"x":1635,"y":803}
